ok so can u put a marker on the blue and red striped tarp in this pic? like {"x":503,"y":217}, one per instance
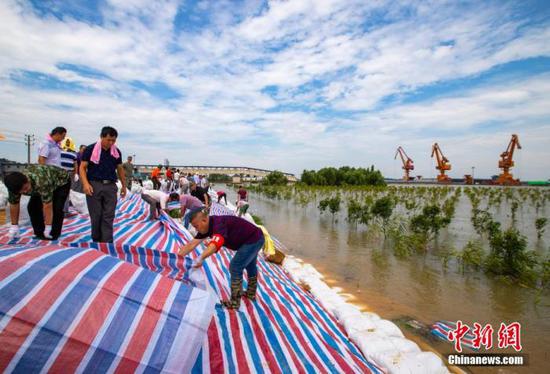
{"x":144,"y":280}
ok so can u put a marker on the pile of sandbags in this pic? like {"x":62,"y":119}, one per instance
{"x":380,"y":340}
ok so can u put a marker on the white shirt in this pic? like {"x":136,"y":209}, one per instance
{"x":158,"y":196}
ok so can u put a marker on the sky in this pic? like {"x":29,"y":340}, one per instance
{"x":286,"y":85}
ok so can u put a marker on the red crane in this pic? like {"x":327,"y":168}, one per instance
{"x":506,"y":162}
{"x":443,"y":164}
{"x":408,"y":163}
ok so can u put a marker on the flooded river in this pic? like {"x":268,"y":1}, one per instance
{"x":418,"y":287}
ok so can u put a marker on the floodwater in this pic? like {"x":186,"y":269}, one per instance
{"x":418,"y":287}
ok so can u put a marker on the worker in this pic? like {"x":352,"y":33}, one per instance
{"x":46,"y":184}
{"x":242,"y":207}
{"x":68,"y":162}
{"x":128,"y":167}
{"x":155,"y":177}
{"x":100,"y":168}
{"x":221,"y":195}
{"x":242,"y":194}
{"x":236,"y":234}
{"x":49,"y":153}
{"x":200,"y":194}
{"x":187,"y":204}
{"x":158,"y":201}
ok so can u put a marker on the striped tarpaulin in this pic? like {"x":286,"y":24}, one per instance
{"x":285,"y":330}
{"x":67,"y":309}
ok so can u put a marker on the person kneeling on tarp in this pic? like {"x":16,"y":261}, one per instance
{"x":158,"y":201}
{"x":234,"y":233}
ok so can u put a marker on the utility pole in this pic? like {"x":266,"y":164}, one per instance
{"x":29,"y":141}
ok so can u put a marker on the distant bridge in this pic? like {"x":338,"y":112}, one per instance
{"x":244,"y":171}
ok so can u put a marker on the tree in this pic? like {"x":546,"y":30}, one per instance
{"x":275,"y":178}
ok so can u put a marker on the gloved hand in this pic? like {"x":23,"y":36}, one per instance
{"x":14,"y":232}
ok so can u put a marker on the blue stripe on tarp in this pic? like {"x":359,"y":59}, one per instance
{"x":227,"y":341}
{"x":323,"y":314}
{"x":113,"y":337}
{"x":293,"y":343}
{"x":169,"y":330}
{"x":45,"y":342}
{"x":273,"y":340}
{"x":14,"y":249}
{"x":251,"y":342}
{"x":316,"y":348}
{"x":17,"y":289}
{"x":197,"y":368}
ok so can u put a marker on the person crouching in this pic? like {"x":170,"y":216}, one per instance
{"x":158,"y":201}
{"x":234,"y":233}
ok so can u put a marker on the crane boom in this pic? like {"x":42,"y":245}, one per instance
{"x":506,"y":162}
{"x":442,"y":164}
{"x":408,"y":163}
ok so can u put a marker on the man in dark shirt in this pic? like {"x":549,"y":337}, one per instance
{"x":100,"y":164}
{"x":200,"y":193}
{"x":234,"y":233}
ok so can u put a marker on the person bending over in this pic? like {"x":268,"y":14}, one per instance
{"x":236,"y":234}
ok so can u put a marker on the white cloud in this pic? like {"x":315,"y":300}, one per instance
{"x":357,"y":53}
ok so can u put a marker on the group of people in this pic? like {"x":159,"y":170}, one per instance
{"x":95,"y":169}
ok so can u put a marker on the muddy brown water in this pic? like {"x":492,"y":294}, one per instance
{"x":419,"y":287}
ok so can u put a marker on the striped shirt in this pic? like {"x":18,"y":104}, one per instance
{"x":68,"y":159}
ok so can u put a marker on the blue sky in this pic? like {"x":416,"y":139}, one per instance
{"x":286,"y":85}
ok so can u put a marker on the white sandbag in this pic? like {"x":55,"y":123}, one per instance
{"x":358,"y":322}
{"x":388,"y":328}
{"x":24,"y":218}
{"x":373,"y":344}
{"x":411,"y":363}
{"x":148,"y":184}
{"x":432,"y":362}
{"x":404,"y":345}
{"x":346,"y":310}
{"x":78,"y":200}
{"x":136,"y":188}
{"x":3,"y":195}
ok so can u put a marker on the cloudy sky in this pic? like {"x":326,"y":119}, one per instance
{"x":285,"y":85}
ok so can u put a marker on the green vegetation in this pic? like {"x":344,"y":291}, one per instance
{"x":540,"y":224}
{"x":275,"y":178}
{"x":343,"y":176}
{"x":411,"y":219}
{"x":257,"y":219}
{"x":219,"y":178}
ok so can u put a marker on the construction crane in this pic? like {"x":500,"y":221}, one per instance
{"x":506,"y":162}
{"x":442,"y":164}
{"x":408,"y":163}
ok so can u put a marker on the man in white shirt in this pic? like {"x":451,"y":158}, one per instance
{"x":158,"y":201}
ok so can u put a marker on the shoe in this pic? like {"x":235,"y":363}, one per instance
{"x":236,"y":291}
{"x":252,"y":287}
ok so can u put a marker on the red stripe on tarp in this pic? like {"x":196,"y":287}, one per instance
{"x":262,"y":341}
{"x":91,"y":322}
{"x":24,"y":321}
{"x":8,"y":266}
{"x":215,"y":352}
{"x":145,"y":328}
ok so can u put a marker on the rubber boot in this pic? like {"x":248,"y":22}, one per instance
{"x":236,"y":290}
{"x":251,"y":289}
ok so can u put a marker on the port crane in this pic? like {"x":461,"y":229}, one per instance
{"x":443,"y":164}
{"x":506,"y":162}
{"x":408,"y":163}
